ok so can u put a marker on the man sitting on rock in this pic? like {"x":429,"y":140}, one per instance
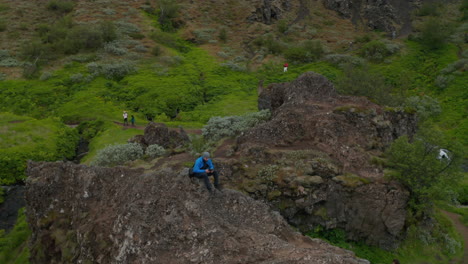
{"x":203,"y":168}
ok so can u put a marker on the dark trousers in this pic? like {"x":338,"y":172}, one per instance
{"x":205,"y":175}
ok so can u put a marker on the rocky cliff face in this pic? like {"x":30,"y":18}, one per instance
{"x":392,"y":16}
{"x":80,"y":214}
{"x":317,"y":160}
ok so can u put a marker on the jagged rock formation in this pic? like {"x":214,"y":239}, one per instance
{"x":267,"y":11}
{"x":160,"y":134}
{"x":317,"y":160}
{"x":81,"y":214}
{"x":392,"y":16}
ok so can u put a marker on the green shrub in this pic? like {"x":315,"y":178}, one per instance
{"x":417,"y":167}
{"x":464,"y":10}
{"x":307,"y":51}
{"x":115,"y":47}
{"x":124,"y":27}
{"x":108,"y":30}
{"x":3,"y":25}
{"x":156,"y":50}
{"x":89,"y":129}
{"x":170,"y":40}
{"x":434,"y":33}
{"x":223,"y":36}
{"x":425,"y":106}
{"x":229,"y":126}
{"x":282,"y":26}
{"x":113,"y":71}
{"x":360,"y":81}
{"x":118,"y":154}
{"x":269,"y":42}
{"x":429,"y":9}
{"x":343,"y":60}
{"x":203,"y":35}
{"x":61,"y":6}
{"x":168,"y":12}
{"x":378,"y":50}
{"x":154,"y":151}
{"x":462,"y":192}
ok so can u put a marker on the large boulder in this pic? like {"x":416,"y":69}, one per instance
{"x":160,"y":134}
{"x":81,"y":214}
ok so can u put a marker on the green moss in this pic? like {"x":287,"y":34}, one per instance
{"x":273,"y":194}
{"x":322,"y":212}
{"x":351,"y":180}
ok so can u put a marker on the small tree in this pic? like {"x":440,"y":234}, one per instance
{"x":434,"y":33}
{"x":168,"y":12}
{"x":416,"y":164}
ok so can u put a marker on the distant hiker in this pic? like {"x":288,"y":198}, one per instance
{"x":203,"y":168}
{"x":125,"y":117}
{"x":285,"y":67}
{"x":395,"y":261}
{"x":132,"y":120}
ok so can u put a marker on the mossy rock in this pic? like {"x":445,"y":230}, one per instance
{"x":322,"y":212}
{"x":324,"y":168}
{"x":274,"y":194}
{"x":309,"y":181}
{"x":350,"y":180}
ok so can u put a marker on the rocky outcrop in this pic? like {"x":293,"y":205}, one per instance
{"x":266,"y":11}
{"x":317,"y":161}
{"x":392,"y":16}
{"x":160,"y":134}
{"x":81,"y":214}
{"x":308,"y":113}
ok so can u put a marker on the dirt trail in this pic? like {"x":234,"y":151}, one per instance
{"x":463,"y":231}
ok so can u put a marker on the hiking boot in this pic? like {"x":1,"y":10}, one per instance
{"x":219,"y":187}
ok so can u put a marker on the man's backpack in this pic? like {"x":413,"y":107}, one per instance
{"x":191,"y":174}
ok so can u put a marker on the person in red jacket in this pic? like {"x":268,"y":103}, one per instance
{"x":285,"y":67}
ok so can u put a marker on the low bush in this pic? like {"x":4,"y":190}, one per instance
{"x":115,"y":48}
{"x":360,"y":81}
{"x":425,"y":106}
{"x":126,"y":28}
{"x":118,"y":154}
{"x":222,"y":35}
{"x":170,"y":41}
{"x":377,"y":50}
{"x":203,"y":35}
{"x":434,"y":33}
{"x":61,"y":6}
{"x":156,"y":50}
{"x":3,"y":25}
{"x":154,"y":151}
{"x":113,"y":71}
{"x":429,"y":9}
{"x":229,"y":126}
{"x":344,"y":59}
{"x":307,"y":51}
{"x":168,"y":13}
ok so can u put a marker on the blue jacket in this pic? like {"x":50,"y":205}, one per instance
{"x":197,"y":168}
